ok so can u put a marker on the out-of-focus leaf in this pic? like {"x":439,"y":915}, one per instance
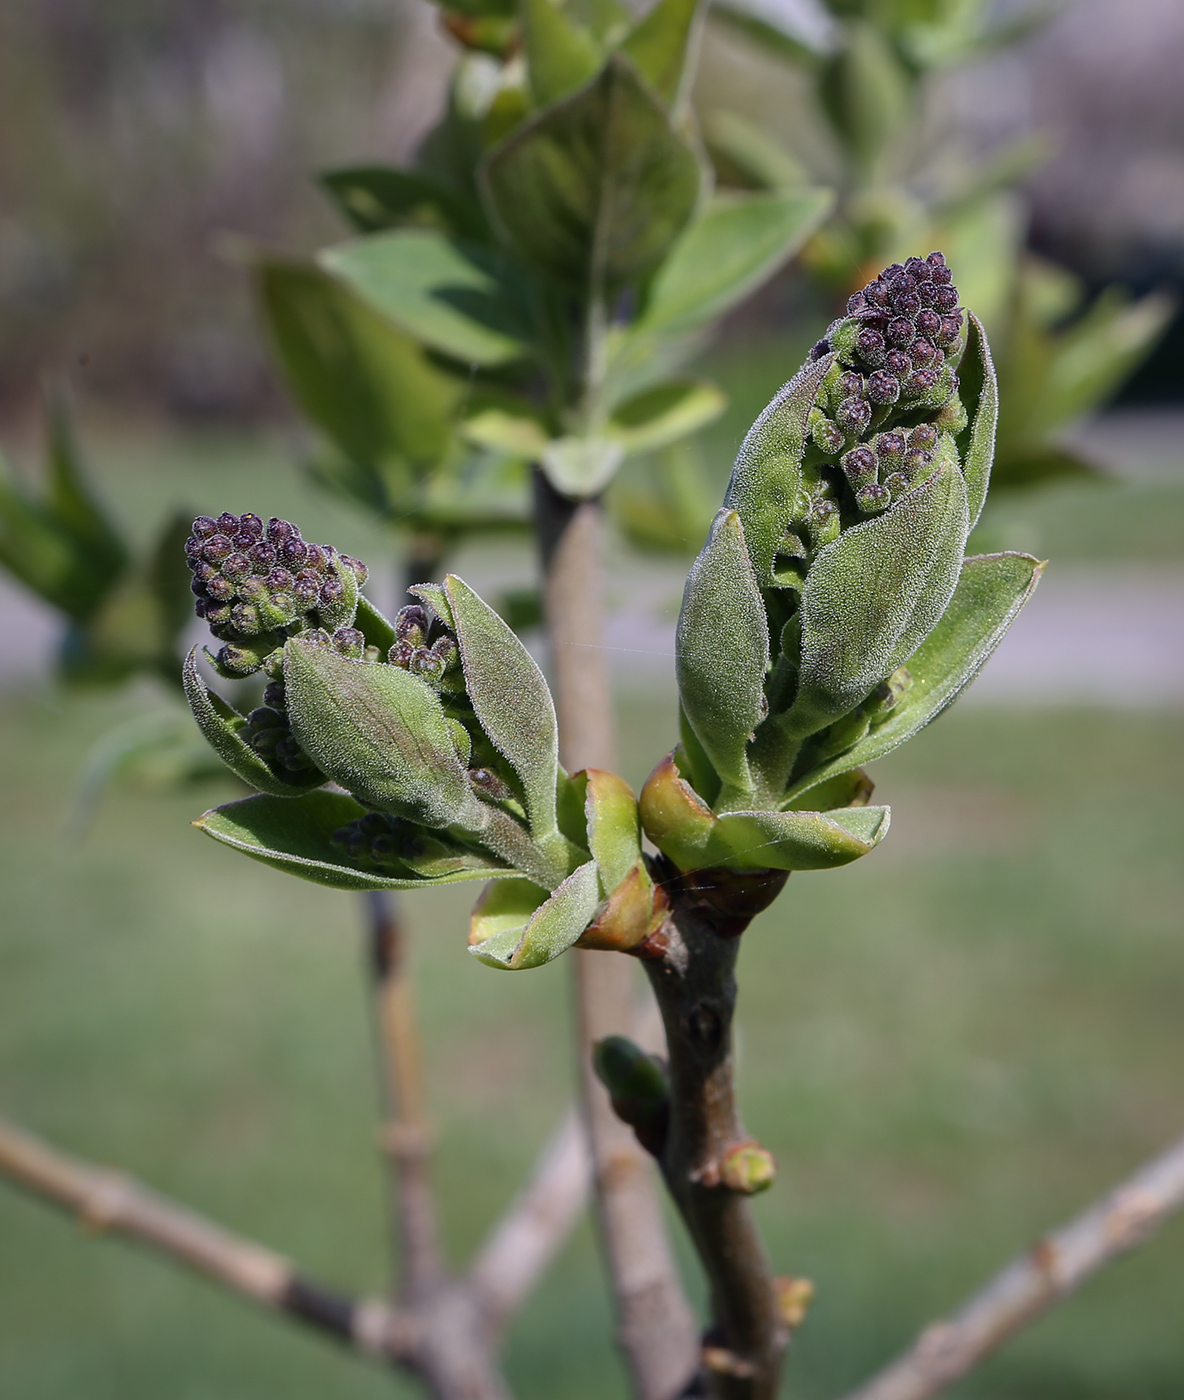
{"x":1019,"y":463}
{"x":549,"y":930}
{"x":666,"y":412}
{"x":663,"y":502}
{"x":582,"y":467}
{"x":361,"y":380}
{"x":752,"y":152}
{"x":459,"y":298}
{"x":662,"y":44}
{"x":511,"y":700}
{"x":597,"y":187}
{"x":992,"y":588}
{"x":375,"y":198}
{"x":295,"y":835}
{"x":168,"y":579}
{"x":561,"y":55}
{"x":515,"y":434}
{"x":71,"y":502}
{"x":722,"y":650}
{"x":737,"y":244}
{"x":378,"y":731}
{"x":865,"y":93}
{"x":794,"y":45}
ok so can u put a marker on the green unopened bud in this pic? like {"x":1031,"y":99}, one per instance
{"x":628,"y":1072}
{"x":748,"y":1168}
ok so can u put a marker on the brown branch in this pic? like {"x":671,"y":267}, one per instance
{"x":406,"y":1136}
{"x":691,"y":964}
{"x":110,"y":1201}
{"x":655,"y":1326}
{"x":520,"y":1246}
{"x":1035,"y":1282}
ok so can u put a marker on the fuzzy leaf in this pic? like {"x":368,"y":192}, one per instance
{"x":378,"y":630}
{"x":511,"y":700}
{"x":220,"y":725}
{"x":295,"y":836}
{"x":456,"y":297}
{"x":722,"y":649}
{"x":366,"y":384}
{"x":614,"y":827}
{"x":874,"y":594}
{"x":736,"y":244}
{"x":596,"y":188}
{"x":378,"y":731}
{"x":979,"y":391}
{"x":661,"y":46}
{"x":797,"y":840}
{"x":767,"y":476}
{"x":991,"y":591}
{"x":551,"y":929}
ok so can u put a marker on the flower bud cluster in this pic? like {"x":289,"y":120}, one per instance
{"x":895,"y":355}
{"x":254,"y":583}
{"x":425,"y":647}
{"x":379,"y":839}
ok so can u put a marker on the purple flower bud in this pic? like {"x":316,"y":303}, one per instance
{"x":266,"y":718}
{"x":873,"y":498}
{"x":293,"y":552}
{"x":890,"y":446}
{"x":850,"y":383}
{"x":306,"y":588}
{"x":278,"y":580}
{"x":411,"y":623}
{"x":916,"y":462}
{"x":876,"y":294}
{"x":936,"y":259}
{"x":228,"y":524}
{"x":907,"y":303}
{"x":250,"y":524}
{"x":488,"y":784}
{"x":401,"y":653}
{"x":892,"y":271}
{"x":315,"y":558}
{"x":855,"y":302}
{"x":264,"y":741}
{"x":279,"y":530}
{"x":426,"y":664}
{"x":827,"y":435}
{"x":922,"y":351}
{"x":193,"y":546}
{"x":361,"y":572}
{"x":883,"y":387}
{"x":921,"y":381}
{"x":317,"y":636}
{"x":869,"y":345}
{"x":927,"y":322}
{"x":204,"y":527}
{"x":924,"y":437}
{"x":253,"y":590}
{"x":278,"y":610}
{"x":262,"y":557}
{"x":897,"y":484}
{"x":236,"y":566}
{"x":859,"y":466}
{"x":900,"y":331}
{"x":822,"y":510}
{"x":215,"y":549}
{"x":898,"y":363}
{"x":950,"y":328}
{"x":853,"y":415}
{"x":221,"y":589}
{"x":332,"y":591}
{"x":273,"y":694}
{"x":942,"y":277}
{"x":945,"y":298}
{"x":244,"y":617}
{"x":918,"y":269}
{"x":819,"y":348}
{"x":349,"y":642}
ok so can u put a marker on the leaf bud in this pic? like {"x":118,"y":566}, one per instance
{"x":748,"y":1168}
{"x":628,"y":1072}
{"x":887,"y":695}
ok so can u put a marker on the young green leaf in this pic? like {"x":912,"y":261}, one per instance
{"x":736,"y":244}
{"x":511,"y":700}
{"x":664,"y":413}
{"x":797,"y":840}
{"x":979,"y":391}
{"x":561,"y":55}
{"x":380,"y":732}
{"x":296,"y":836}
{"x":614,"y":827}
{"x":376,"y":198}
{"x":991,"y":591}
{"x":722,"y":650}
{"x":456,"y":297}
{"x":550,"y":930}
{"x":596,"y":188}
{"x":662,"y":47}
{"x":581,"y":467}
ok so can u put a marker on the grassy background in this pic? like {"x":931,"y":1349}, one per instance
{"x":950,"y":1046}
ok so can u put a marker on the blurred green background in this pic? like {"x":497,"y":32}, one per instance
{"x":949,"y":1047}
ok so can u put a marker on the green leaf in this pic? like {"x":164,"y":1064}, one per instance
{"x":596,"y":188}
{"x":664,"y":502}
{"x":735,"y":246}
{"x":375,"y":198}
{"x":614,"y":827}
{"x":991,"y":591}
{"x":767,"y":477}
{"x":798,"y":840}
{"x":295,"y":836}
{"x":221,"y":726}
{"x":753,"y":153}
{"x":780,"y":39}
{"x":514,"y":434}
{"x":366,"y":384}
{"x":550,"y":930}
{"x":510,"y":699}
{"x":872,"y":595}
{"x":581,"y":467}
{"x":456,"y":297}
{"x":666,"y":412}
{"x":722,"y":650}
{"x":979,"y":392}
{"x":380,"y":732}
{"x":662,"y":46}
{"x":561,"y":55}
{"x":865,"y":92}
{"x":377,"y":629}
{"x":168,"y":582}
{"x":71,"y":502}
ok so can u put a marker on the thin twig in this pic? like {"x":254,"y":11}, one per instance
{"x":539,"y":1219}
{"x":406,"y":1135}
{"x":1035,"y":1282}
{"x":654,"y":1322}
{"x":106,"y":1200}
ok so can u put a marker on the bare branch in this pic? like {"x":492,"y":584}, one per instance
{"x":655,"y":1326}
{"x":108,"y":1200}
{"x":1035,"y":1282}
{"x":540,"y":1218}
{"x":406,"y":1136}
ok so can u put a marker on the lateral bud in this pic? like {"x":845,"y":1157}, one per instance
{"x":748,"y":1168}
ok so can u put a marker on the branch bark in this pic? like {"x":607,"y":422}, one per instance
{"x":690,"y":963}
{"x":406,"y":1134}
{"x":110,"y":1201}
{"x":655,"y":1327}
{"x":1035,"y":1282}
